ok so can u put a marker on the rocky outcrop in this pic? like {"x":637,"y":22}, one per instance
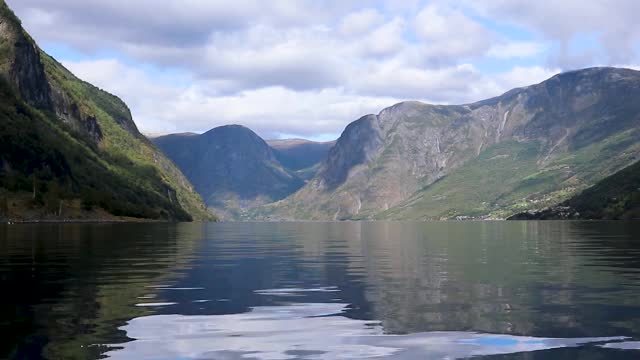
{"x":68,"y":111}
{"x":27,"y":74}
{"x":358,"y":144}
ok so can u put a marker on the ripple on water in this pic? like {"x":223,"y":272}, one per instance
{"x":310,"y":331}
{"x":296,"y":291}
{"x":155,"y":304}
{"x":625,"y":345}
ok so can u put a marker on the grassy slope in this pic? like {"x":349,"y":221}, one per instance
{"x":583,"y":122}
{"x":617,"y":197}
{"x":124,"y":174}
{"x":135,"y":152}
{"x":36,"y":150}
{"x":506,"y":179}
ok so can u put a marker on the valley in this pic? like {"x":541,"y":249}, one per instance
{"x":529,"y":149}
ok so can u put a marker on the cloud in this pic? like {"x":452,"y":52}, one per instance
{"x":386,"y":39}
{"x":448,"y":85}
{"x":248,"y":44}
{"x":523,"y":76}
{"x":171,"y":22}
{"x":612,"y":24}
{"x":448,"y":33}
{"x":309,"y":67}
{"x":264,"y":56}
{"x":360,"y":22}
{"x":160,"y":106}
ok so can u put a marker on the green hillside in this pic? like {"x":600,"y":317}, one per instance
{"x":506,"y":179}
{"x":71,"y":150}
{"x":617,"y":197}
{"x":527,"y":149}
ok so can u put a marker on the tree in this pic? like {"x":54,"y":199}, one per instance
{"x":4,"y":205}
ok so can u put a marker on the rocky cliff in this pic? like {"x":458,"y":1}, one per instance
{"x":527,"y":148}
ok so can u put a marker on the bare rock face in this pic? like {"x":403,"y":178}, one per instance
{"x":25,"y":70}
{"x":383,"y":165}
{"x":358,"y":144}
{"x":28,"y":75}
{"x":69,"y":113}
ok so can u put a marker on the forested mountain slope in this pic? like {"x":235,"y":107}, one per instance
{"x":69,"y":150}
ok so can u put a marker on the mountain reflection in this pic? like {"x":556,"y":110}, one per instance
{"x":73,"y":285}
{"x":83,"y":283}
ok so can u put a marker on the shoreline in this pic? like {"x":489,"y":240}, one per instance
{"x":80,"y":221}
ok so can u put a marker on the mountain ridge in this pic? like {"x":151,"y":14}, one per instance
{"x":300,"y":155}
{"x":234,"y":169}
{"x":410,"y":152}
{"x":68,"y":145}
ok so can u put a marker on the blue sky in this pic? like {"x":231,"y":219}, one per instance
{"x":307,"y":68}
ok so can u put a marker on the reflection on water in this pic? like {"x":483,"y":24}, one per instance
{"x":623,"y":345}
{"x":309,"y":331}
{"x":517,"y":290}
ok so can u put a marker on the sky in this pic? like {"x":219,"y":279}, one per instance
{"x":307,"y":68}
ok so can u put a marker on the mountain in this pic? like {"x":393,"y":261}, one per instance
{"x":529,"y":148}
{"x":233,"y":168}
{"x":302,"y":156}
{"x":299,"y":154}
{"x":71,"y":150}
{"x":614,"y":198}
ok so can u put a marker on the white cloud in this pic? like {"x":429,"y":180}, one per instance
{"x":175,"y":22}
{"x":524,"y":76}
{"x":159,"y":106}
{"x":613,"y":24}
{"x":442,"y":85}
{"x":448,"y":33}
{"x":386,"y":39}
{"x":515,"y":49}
{"x":248,"y":44}
{"x":311,"y":66}
{"x":264,"y":56}
{"x":360,"y":21}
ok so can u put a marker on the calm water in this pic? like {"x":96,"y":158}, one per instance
{"x":499,"y":290}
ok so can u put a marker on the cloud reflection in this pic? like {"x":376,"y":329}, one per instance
{"x":309,"y":331}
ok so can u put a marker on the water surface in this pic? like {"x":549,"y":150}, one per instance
{"x":448,"y":290}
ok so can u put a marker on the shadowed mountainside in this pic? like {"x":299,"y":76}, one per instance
{"x":617,"y":197}
{"x":300,"y":154}
{"x":235,"y":170}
